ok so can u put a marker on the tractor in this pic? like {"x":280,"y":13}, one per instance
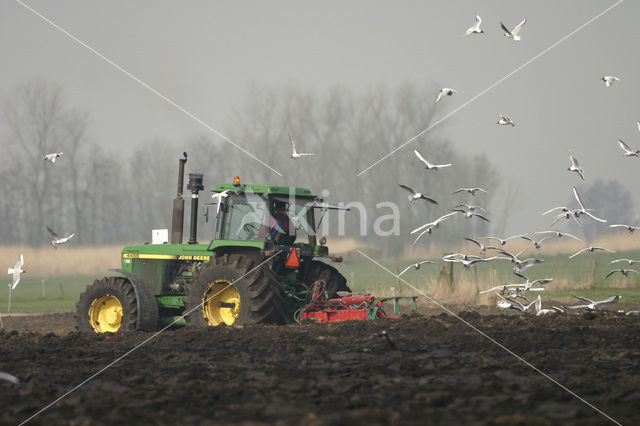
{"x":248,"y":274}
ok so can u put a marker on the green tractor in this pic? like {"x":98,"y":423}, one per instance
{"x":255,"y":270}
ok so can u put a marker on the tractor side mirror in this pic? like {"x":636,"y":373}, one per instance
{"x":205,"y":212}
{"x":323,"y":241}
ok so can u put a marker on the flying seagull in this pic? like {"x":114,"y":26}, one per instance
{"x":623,"y":271}
{"x":16,"y":271}
{"x":445,"y":91}
{"x":57,"y":239}
{"x":218,"y":197}
{"x":483,"y":248}
{"x":521,"y":265}
{"x":591,"y":249}
{"x":428,"y":165}
{"x":609,"y":79}
{"x":295,"y":155}
{"x":515,"y":32}
{"x":540,"y":311}
{"x":475,"y":28}
{"x":629,"y":228}
{"x":591,"y":305}
{"x":628,"y":152}
{"x":471,"y":191}
{"x":559,"y":234}
{"x":470,"y":208}
{"x":52,"y":157}
{"x":429,"y":227}
{"x":582,"y":209}
{"x":629,"y":261}
{"x":502,"y":241}
{"x":468,"y":264}
{"x":416,"y":195}
{"x":415,"y":265}
{"x":518,"y":306}
{"x":505,"y":121}
{"x":470,"y":214}
{"x":575,"y":167}
{"x":536,"y":244}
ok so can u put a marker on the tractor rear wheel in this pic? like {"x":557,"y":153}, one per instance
{"x":334,"y":280}
{"x":107,"y":305}
{"x":228,"y":290}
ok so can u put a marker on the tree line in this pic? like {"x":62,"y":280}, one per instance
{"x":108,"y":198}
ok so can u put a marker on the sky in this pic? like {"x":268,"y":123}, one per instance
{"x":204,"y":56}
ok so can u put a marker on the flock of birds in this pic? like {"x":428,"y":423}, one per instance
{"x":56,"y":240}
{"x":509,"y":294}
{"x":513,"y":295}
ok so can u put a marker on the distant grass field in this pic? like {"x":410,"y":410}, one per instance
{"x":60,"y":293}
{"x":583,"y":275}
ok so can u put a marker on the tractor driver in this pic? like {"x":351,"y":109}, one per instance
{"x":281,"y":229}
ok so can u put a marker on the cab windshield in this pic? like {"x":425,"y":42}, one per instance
{"x":248,"y":217}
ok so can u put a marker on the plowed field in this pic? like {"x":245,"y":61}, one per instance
{"x":414,"y":370}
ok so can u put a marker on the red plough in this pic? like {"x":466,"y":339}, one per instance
{"x":348,"y":307}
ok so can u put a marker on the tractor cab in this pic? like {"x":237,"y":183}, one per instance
{"x":267,"y":218}
{"x":259,"y":217}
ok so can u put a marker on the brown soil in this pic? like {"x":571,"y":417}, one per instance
{"x":426,"y":369}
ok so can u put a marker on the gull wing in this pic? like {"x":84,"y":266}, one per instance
{"x":584,"y":299}
{"x":421,"y":158}
{"x":575,"y":254}
{"x":505,"y":29}
{"x":518,"y":27}
{"x":556,"y":208}
{"x":292,"y":144}
{"x":575,"y":193}
{"x":521,"y":276}
{"x":545,"y":238}
{"x":431,"y":200}
{"x":624,"y":146}
{"x":405,"y":270}
{"x":480,"y":216}
{"x":441,"y":166}
{"x":612,"y":272}
{"x":407,"y":188}
{"x":596,"y":218}
{"x":473,"y":241}
{"x":19,"y":263}
{"x":608,"y":301}
{"x":52,"y":232}
{"x":440,"y":219}
{"x":604,"y":249}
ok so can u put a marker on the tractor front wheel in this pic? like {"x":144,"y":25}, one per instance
{"x":107,"y":305}
{"x":231,"y":290}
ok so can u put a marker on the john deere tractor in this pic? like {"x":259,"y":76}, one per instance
{"x":255,"y":270}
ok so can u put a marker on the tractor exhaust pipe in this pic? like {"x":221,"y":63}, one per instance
{"x":177,"y":219}
{"x":195,"y":185}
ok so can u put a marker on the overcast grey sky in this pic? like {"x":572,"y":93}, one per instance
{"x":204,"y":55}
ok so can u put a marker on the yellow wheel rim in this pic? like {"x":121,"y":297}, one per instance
{"x":105,"y":314}
{"x":220,"y":303}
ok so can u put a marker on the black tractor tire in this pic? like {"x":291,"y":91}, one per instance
{"x":333,"y":279}
{"x":259,"y":293}
{"x":116,"y":287}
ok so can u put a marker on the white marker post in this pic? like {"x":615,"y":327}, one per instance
{"x":9,"y":306}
